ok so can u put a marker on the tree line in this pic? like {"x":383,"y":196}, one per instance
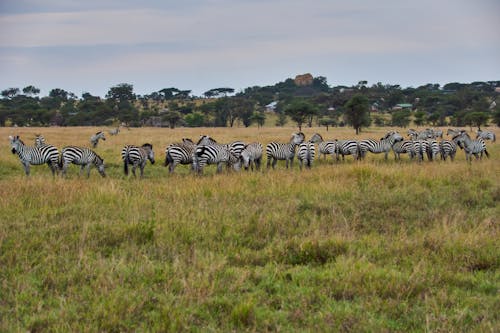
{"x":454,"y":104}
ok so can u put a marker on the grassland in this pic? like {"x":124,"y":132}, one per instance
{"x":355,"y":246}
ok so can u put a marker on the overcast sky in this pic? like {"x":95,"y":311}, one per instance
{"x":92,"y":45}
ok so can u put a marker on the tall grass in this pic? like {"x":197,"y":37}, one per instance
{"x":354,"y":246}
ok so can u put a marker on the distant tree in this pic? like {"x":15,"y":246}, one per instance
{"x":401,"y":118}
{"x":121,"y":92}
{"x":378,"y":120}
{"x":218,"y":92}
{"x":59,"y":94}
{"x":420,"y":118}
{"x":259,"y":118}
{"x":168,"y":93}
{"x":31,"y":91}
{"x":281,"y":120}
{"x":195,"y":119}
{"x":477,"y":119}
{"x":300,"y":110}
{"x":327,"y":122}
{"x":357,"y":112}
{"x":10,"y":93}
{"x":496,"y":116}
{"x":172,"y":117}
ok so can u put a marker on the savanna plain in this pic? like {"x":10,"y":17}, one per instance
{"x":361,"y":246}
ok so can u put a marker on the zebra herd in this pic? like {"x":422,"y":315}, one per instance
{"x":238,"y":154}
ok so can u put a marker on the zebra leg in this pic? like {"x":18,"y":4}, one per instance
{"x":275,"y":160}
{"x":81,"y":170}
{"x":171,"y":167}
{"x":88,"y":170}
{"x":26,"y":166}
{"x":219,"y":167}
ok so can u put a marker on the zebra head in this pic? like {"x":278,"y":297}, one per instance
{"x":316,"y":138}
{"x":297,"y":138}
{"x":393,"y":137}
{"x":15,"y":142}
{"x":459,"y":139}
{"x":187,"y":140}
{"x":149,"y":150}
{"x":99,"y":162}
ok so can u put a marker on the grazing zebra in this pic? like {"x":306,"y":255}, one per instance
{"x":424,"y":135}
{"x":35,"y":155}
{"x":213,"y":154}
{"x":420,"y":148}
{"x":251,"y":154}
{"x":403,"y":147}
{"x":347,"y":147}
{"x":94,"y":139}
{"x":82,"y":156}
{"x":283,"y":151}
{"x":114,"y":131}
{"x":179,"y":153}
{"x":447,"y":148}
{"x":471,"y":147}
{"x":137,"y":156}
{"x":235,"y":147}
{"x":39,"y":140}
{"x":486,"y":135}
{"x":324,"y":147}
{"x":305,"y":154}
{"x":384,"y":145}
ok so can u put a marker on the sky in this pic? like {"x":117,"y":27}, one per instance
{"x":93,"y":45}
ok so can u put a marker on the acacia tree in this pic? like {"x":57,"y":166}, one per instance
{"x":300,"y":110}
{"x":357,"y":112}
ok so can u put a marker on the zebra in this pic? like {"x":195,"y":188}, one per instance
{"x":213,"y":154}
{"x":384,"y":145}
{"x":235,"y":147}
{"x":251,"y":154}
{"x":114,"y":131}
{"x":39,"y":140}
{"x":305,"y":154}
{"x":94,"y":139}
{"x":82,"y":156}
{"x":283,"y":151}
{"x":403,"y":147}
{"x":453,"y":132}
{"x":486,"y":135}
{"x":35,"y":155}
{"x":137,"y":156}
{"x":433,"y":149}
{"x":447,"y":148}
{"x":420,"y":148}
{"x":324,"y":147}
{"x":347,"y":147}
{"x":179,"y":153}
{"x":471,"y":147}
{"x":423,"y":135}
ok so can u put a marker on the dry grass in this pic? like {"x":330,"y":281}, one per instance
{"x":353,"y":246}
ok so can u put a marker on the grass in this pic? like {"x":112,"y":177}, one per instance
{"x":353,"y":246}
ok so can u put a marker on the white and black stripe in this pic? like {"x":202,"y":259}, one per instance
{"x":114,"y":131}
{"x":94,"y":139}
{"x":403,"y":147}
{"x":137,"y":157}
{"x":324,"y":147}
{"x":347,"y":147}
{"x":35,"y":155}
{"x":283,"y":151}
{"x":471,"y":147}
{"x":433,"y":149}
{"x":39,"y":140}
{"x":384,"y":145}
{"x":179,"y":153}
{"x":251,"y":155}
{"x":486,"y":135}
{"x":213,"y":154}
{"x":305,"y":154}
{"x":82,"y":156}
{"x":447,"y":148}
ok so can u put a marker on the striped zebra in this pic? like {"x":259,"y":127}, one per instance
{"x":179,"y":153}
{"x":39,"y":140}
{"x":447,"y":148}
{"x":453,"y":132}
{"x":324,"y":147}
{"x":347,"y":147}
{"x":251,"y":155}
{"x":137,"y":157}
{"x":423,"y":135}
{"x":403,"y":147}
{"x":213,"y":154}
{"x":235,"y":147}
{"x":283,"y":151}
{"x":94,"y":139}
{"x":420,"y":149}
{"x":471,"y":147}
{"x":82,"y":156}
{"x":114,"y":131}
{"x":486,"y":135}
{"x":305,"y":154}
{"x":35,"y":155}
{"x":384,"y":145}
{"x":433,"y":149}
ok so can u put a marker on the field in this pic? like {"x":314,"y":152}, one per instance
{"x":346,"y":246}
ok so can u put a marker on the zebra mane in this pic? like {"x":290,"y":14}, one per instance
{"x":206,"y":137}
{"x":187,"y":140}
{"x":148,"y":145}
{"x":100,"y":132}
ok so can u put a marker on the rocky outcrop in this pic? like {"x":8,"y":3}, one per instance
{"x":304,"y":80}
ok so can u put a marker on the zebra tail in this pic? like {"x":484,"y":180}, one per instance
{"x":60,"y":161}
{"x":126,"y":161}
{"x":168,"y":159}
{"x":358,"y":150}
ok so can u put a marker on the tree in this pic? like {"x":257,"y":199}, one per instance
{"x":259,"y":118}
{"x":218,"y":92}
{"x":496,"y":116}
{"x":327,"y":122}
{"x":195,"y":119}
{"x":300,"y":110}
{"x":172,"y":117}
{"x":401,"y":118}
{"x":31,"y":91}
{"x":357,"y":112}
{"x":477,"y":119}
{"x":121,"y":92}
{"x":10,"y":93}
{"x":420,"y":118}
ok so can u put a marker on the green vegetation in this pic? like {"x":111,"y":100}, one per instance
{"x":354,"y":246}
